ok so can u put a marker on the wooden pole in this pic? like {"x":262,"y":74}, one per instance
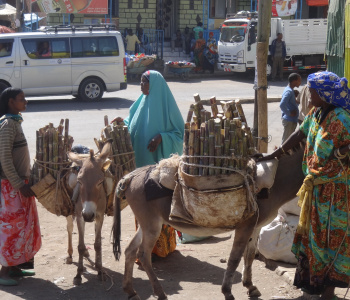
{"x":264,"y":27}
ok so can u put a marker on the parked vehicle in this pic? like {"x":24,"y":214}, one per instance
{"x":305,"y":42}
{"x":83,"y":62}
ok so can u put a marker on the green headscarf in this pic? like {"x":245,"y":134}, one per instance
{"x":152,"y":114}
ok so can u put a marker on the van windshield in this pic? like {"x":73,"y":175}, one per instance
{"x":233,"y":33}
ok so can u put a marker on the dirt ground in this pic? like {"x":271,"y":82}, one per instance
{"x":193,"y":271}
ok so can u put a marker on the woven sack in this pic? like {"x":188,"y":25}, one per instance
{"x":53,"y":197}
{"x":218,"y":201}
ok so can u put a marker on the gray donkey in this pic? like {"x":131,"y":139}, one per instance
{"x":152,"y":214}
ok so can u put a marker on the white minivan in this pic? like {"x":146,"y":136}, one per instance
{"x":60,"y":62}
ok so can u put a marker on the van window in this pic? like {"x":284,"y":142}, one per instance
{"x":46,"y":48}
{"x":94,"y":46}
{"x":6,"y":47}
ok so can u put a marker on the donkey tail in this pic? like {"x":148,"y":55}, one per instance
{"x":116,"y":229}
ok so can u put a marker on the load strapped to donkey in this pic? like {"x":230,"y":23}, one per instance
{"x":54,"y":176}
{"x":215,"y":179}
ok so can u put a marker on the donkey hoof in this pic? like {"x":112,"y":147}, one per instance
{"x":77,"y":280}
{"x":69,"y":260}
{"x":254,"y":292}
{"x":230,"y":297}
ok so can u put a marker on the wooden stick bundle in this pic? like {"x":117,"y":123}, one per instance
{"x":220,"y":135}
{"x":51,"y":150}
{"x":123,"y":155}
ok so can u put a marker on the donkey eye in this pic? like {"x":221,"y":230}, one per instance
{"x":100,"y":183}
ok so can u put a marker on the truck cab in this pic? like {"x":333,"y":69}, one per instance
{"x":237,"y":43}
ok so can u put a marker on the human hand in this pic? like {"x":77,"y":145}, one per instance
{"x":276,"y":154}
{"x":26,"y":191}
{"x":117,"y":119}
{"x":154,"y":143}
{"x":293,"y":113}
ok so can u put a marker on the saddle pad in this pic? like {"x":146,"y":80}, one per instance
{"x":153,"y":189}
{"x":266,"y":172}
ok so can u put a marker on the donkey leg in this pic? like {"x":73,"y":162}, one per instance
{"x":69,"y":258}
{"x":242,"y":236}
{"x":81,"y":249}
{"x":249,"y":255}
{"x":97,"y":245}
{"x":130,"y":256}
{"x":149,"y":239}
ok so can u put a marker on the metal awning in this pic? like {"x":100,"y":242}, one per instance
{"x":8,"y":10}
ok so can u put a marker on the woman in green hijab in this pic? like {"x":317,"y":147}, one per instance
{"x":156,"y":128}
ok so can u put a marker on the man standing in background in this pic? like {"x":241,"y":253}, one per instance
{"x":278,"y":54}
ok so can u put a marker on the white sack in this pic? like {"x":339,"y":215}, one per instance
{"x":291,"y":207}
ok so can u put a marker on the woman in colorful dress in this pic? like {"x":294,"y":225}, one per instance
{"x":156,"y":128}
{"x":210,"y":54}
{"x":20,"y":237}
{"x":198,"y":52}
{"x":322,"y":241}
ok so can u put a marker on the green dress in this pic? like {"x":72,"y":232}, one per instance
{"x":324,"y":253}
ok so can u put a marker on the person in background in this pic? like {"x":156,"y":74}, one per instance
{"x":210,"y":54}
{"x":20,"y":237}
{"x":278,"y":54}
{"x":177,"y":41}
{"x":192,"y":45}
{"x":145,"y":45}
{"x":44,"y":49}
{"x":131,"y":40}
{"x":197,"y":30}
{"x":156,"y":128}
{"x":322,"y":239}
{"x":303,"y":99}
{"x":198,"y":52}
{"x":187,"y":40}
{"x":3,"y":50}
{"x":289,"y":106}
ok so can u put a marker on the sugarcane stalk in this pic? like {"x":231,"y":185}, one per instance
{"x":56,"y":167}
{"x":206,"y":149}
{"x":207,"y":115}
{"x":190,"y":113}
{"x":122,"y":140}
{"x":244,"y":151}
{"x":105,"y":118}
{"x":185,"y":145}
{"x":66,"y":140}
{"x":196,"y":97}
{"x":129,"y":148}
{"x":214,"y":106}
{"x":197,"y":112}
{"x":227,"y":109}
{"x":232,"y":133}
{"x":70,"y":142}
{"x":119,"y":148}
{"x":196,"y":150}
{"x":211,"y":128}
{"x":40,"y":153}
{"x":240,"y":111}
{"x":50,"y":156}
{"x":234,"y":110}
{"x":203,"y":115}
{"x":191,"y":147}
{"x":201,"y":152}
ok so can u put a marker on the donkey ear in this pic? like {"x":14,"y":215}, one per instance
{"x":75,"y":158}
{"x":106,"y":151}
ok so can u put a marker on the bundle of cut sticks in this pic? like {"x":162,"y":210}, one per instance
{"x":218,"y":140}
{"x":52,"y":146}
{"x":123,"y":154}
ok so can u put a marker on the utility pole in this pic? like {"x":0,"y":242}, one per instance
{"x":18,"y":21}
{"x":264,"y":27}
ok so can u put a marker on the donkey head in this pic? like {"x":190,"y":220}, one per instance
{"x":90,"y":179}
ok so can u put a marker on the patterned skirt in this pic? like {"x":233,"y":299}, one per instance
{"x":20,"y":237}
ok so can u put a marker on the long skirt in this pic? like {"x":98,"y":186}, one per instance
{"x":323,"y":254}
{"x":20,"y":237}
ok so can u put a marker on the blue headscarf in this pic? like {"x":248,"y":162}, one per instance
{"x":331,"y":88}
{"x":152,"y":114}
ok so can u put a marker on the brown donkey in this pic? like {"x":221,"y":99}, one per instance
{"x":152,"y":214}
{"x":90,"y":204}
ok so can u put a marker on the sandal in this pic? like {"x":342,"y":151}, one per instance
{"x":8,"y":282}
{"x":20,"y":273}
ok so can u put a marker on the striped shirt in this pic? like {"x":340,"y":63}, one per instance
{"x":14,"y":153}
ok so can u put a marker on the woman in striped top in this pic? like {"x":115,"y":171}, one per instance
{"x":20,"y":237}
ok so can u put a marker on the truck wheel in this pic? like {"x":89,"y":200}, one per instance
{"x":91,"y":89}
{"x":3,"y":86}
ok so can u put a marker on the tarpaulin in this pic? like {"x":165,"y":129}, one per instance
{"x":71,"y":6}
{"x":317,"y":2}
